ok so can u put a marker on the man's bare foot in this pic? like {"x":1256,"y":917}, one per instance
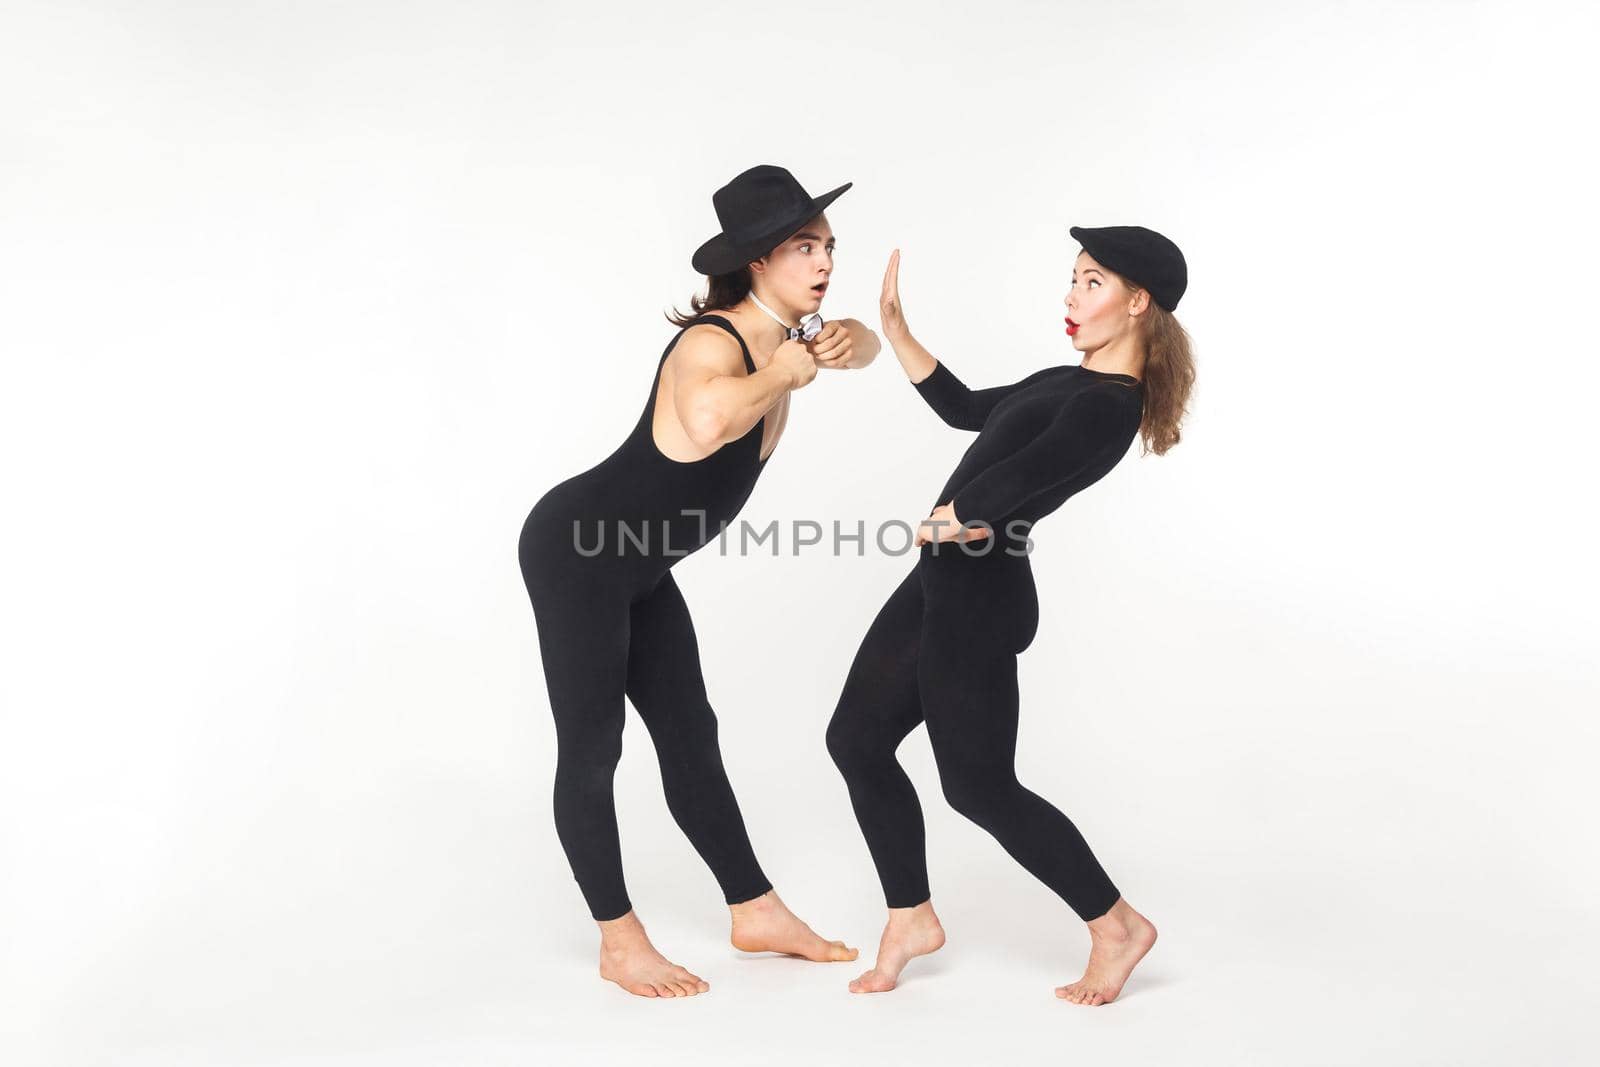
{"x":910,"y":932}
{"x":766,"y":924}
{"x":629,"y":959}
{"x":1121,"y":938}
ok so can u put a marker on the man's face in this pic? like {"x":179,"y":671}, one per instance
{"x":797,"y":272}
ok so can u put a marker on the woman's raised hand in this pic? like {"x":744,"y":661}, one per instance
{"x":893,"y":315}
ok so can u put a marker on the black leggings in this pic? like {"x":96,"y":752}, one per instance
{"x":597,"y":644}
{"x":943,"y":650}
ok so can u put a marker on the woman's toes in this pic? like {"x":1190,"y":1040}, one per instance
{"x":875,"y":981}
{"x":642,"y":989}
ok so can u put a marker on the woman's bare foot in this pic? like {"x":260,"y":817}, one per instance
{"x":910,"y":932}
{"x":766,"y":924}
{"x":629,"y":959}
{"x":1121,"y":938}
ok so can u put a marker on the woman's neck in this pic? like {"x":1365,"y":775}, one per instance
{"x":1125,"y":355}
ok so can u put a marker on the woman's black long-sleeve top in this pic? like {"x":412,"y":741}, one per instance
{"x":1040,"y":440}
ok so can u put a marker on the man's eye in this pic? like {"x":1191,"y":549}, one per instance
{"x":806,"y":248}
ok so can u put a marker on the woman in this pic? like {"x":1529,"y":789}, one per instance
{"x":943,"y":650}
{"x":597,"y":549}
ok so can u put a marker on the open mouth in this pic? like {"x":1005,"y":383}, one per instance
{"x":1072,"y":327}
{"x":820,"y":288}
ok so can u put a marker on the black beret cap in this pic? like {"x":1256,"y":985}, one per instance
{"x":1142,"y":256}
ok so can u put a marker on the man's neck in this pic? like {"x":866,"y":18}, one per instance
{"x":763,"y":329}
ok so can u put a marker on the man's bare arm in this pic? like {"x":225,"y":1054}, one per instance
{"x":715,"y":400}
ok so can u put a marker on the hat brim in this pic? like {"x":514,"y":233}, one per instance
{"x":1076,"y":233}
{"x":722,"y":256}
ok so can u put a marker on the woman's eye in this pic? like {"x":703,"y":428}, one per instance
{"x":806,"y":248}
{"x":1094,"y":281}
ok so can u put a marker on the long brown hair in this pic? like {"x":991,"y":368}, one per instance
{"x":1168,"y":375}
{"x":723,"y":291}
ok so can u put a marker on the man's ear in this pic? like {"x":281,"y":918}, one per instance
{"x":759,"y":266}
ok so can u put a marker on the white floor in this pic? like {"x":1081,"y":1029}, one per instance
{"x":1256,"y":967}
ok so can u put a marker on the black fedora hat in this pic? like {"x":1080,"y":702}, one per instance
{"x":757,"y":209}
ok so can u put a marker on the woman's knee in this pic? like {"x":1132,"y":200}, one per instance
{"x":977,"y":793}
{"x":841,"y":739}
{"x":850,"y":742}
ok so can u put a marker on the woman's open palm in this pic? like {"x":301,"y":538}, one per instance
{"x":890,"y":310}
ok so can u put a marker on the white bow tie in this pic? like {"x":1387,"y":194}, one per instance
{"x":809,"y":326}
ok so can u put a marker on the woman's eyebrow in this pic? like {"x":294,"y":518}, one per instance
{"x":810,"y":237}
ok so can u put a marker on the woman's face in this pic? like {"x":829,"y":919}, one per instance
{"x":796,"y":273}
{"x":1098,"y":306}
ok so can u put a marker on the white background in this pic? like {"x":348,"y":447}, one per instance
{"x":302,"y":306}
